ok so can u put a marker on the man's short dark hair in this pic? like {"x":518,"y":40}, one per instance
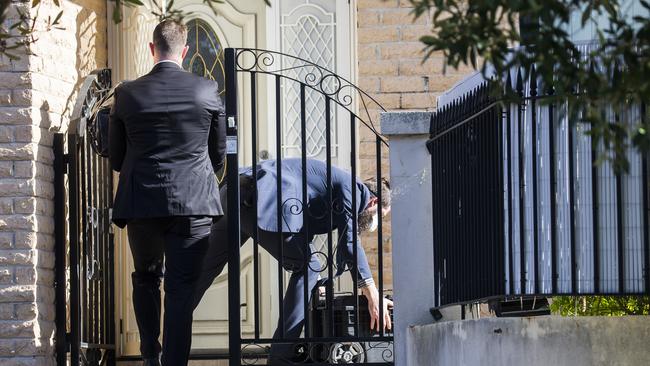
{"x":169,"y":37}
{"x":371,"y":184}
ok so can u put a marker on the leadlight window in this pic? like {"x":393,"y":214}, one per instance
{"x":205,"y":56}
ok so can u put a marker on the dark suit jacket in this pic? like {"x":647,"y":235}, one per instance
{"x":166,"y":141}
{"x":317,"y":214}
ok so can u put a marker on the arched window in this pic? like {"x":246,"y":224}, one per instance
{"x":205,"y":55}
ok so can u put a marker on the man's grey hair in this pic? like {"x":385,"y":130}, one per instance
{"x":169,"y":38}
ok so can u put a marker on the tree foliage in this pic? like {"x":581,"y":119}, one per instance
{"x":20,"y":32}
{"x":601,"y":305}
{"x":615,"y":70}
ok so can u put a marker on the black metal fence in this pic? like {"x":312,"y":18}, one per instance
{"x":335,"y":327}
{"x":520,"y":206}
{"x":85,"y":301}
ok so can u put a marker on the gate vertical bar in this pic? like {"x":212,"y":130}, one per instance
{"x":594,"y":217}
{"x":380,"y":244}
{"x":278,"y":147}
{"x":620,"y":247}
{"x":111,"y":265}
{"x":553,"y":187}
{"x":501,"y":234}
{"x":509,"y":175}
{"x":533,"y":126}
{"x":256,"y":284}
{"x":644,"y":192}
{"x":305,"y":206}
{"x":330,"y":245}
{"x":73,"y":183}
{"x":522,"y":192}
{"x":232,"y":181}
{"x":572,"y":208}
{"x":355,"y":238}
{"x":60,"y":252}
{"x":83,"y":234}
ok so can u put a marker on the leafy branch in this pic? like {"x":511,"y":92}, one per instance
{"x":20,"y":31}
{"x":613,"y":73}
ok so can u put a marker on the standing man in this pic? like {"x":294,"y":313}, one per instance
{"x":299,"y":223}
{"x":167,"y":142}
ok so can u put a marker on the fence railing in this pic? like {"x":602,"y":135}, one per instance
{"x":520,"y":206}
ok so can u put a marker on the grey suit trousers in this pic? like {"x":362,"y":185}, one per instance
{"x":297,"y":258}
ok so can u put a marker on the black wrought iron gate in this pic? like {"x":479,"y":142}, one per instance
{"x":335,"y":328}
{"x":85,"y":302}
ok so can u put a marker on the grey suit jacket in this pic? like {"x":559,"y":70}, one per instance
{"x":315,"y":213}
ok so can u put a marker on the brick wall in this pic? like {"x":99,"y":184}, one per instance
{"x":391,"y":70}
{"x":37,"y":95}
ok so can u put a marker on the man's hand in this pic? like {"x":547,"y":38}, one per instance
{"x":371,"y":293}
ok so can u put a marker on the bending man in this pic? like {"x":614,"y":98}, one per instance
{"x":298,"y":226}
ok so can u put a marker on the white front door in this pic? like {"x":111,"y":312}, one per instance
{"x":319,"y":30}
{"x":208,"y":35}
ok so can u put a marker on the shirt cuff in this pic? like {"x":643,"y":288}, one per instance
{"x":365,"y":282}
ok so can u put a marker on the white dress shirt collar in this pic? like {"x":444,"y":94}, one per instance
{"x":172,"y":61}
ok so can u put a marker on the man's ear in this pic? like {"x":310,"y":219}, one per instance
{"x":184,"y":53}
{"x":152,"y":49}
{"x":372,"y":202}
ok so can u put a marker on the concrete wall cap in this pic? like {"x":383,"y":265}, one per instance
{"x":405,"y":123}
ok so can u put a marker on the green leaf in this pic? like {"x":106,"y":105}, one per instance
{"x":58,"y":17}
{"x":428,"y":40}
{"x":135,"y":2}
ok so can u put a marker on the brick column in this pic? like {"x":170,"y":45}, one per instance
{"x":391,"y":70}
{"x":37,"y":95}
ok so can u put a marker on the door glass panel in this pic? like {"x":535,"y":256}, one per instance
{"x":308,"y":30}
{"x":205,"y":56}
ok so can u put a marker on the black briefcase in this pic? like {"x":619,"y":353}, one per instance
{"x":344,"y":320}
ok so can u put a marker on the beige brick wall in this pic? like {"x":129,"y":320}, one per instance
{"x":37,"y":95}
{"x":391,"y":69}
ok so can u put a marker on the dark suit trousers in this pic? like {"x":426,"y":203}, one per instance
{"x":297,"y":258}
{"x":182,"y":242}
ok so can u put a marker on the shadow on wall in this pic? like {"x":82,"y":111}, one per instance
{"x":90,"y":53}
{"x":91,"y":41}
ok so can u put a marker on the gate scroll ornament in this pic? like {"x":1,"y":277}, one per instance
{"x":321,"y":80}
